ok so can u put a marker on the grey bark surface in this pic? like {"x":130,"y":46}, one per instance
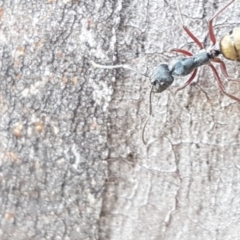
{"x":72,"y":162}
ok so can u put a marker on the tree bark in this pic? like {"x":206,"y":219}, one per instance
{"x":73,"y":164}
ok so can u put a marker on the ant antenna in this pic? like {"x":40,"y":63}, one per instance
{"x":96,"y":65}
{"x":150,"y":94}
{"x":149,"y":115}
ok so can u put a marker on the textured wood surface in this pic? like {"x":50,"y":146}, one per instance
{"x":72,"y":162}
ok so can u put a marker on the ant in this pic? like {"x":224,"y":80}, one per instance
{"x":163,"y":75}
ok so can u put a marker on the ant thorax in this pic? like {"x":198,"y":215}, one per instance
{"x":186,"y":65}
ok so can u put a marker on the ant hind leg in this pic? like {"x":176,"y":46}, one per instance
{"x":220,"y":84}
{"x":210,"y":23}
{"x":224,"y":70}
{"x":189,"y":33}
{"x":222,"y":66}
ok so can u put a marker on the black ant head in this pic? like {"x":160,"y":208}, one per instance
{"x":161,"y":78}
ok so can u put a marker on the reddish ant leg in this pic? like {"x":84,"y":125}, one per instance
{"x":210,"y":23}
{"x":222,"y":66}
{"x":189,"y":33}
{"x":220,"y":84}
{"x":224,"y":70}
{"x":195,"y":39}
{"x":188,"y":81}
{"x":185,"y":52}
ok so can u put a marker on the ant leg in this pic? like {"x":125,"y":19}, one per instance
{"x":220,"y":84}
{"x":236,"y":78}
{"x":224,"y":70}
{"x":188,"y":81}
{"x":96,"y":65}
{"x":189,"y":33}
{"x":222,"y":66}
{"x":185,"y":52}
{"x":210,"y":23}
